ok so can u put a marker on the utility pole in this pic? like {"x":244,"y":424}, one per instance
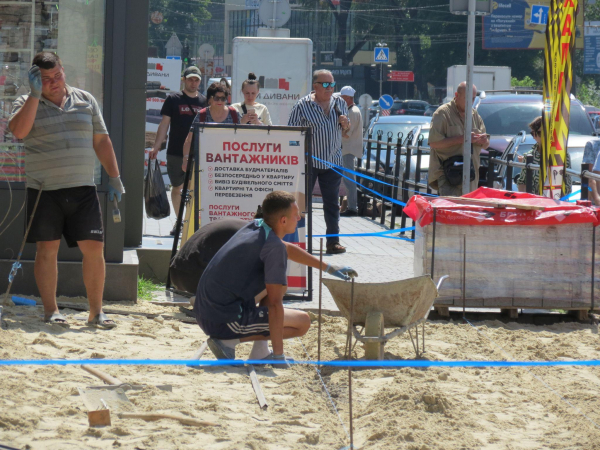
{"x":466,"y":184}
{"x":481,"y":7}
{"x":317,"y":38}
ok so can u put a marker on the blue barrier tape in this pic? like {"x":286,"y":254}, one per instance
{"x":358,"y":174}
{"x":240,"y":362}
{"x":390,"y":199}
{"x":377,"y":233}
{"x":566,"y":198}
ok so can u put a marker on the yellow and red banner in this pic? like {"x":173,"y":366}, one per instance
{"x":558,"y":80}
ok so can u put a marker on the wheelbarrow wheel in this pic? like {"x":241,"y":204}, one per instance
{"x":374,"y":328}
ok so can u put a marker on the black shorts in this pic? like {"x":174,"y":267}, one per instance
{"x":254,"y":322}
{"x":176,"y":175}
{"x":72,"y":212}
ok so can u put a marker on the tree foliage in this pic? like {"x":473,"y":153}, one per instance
{"x":179,"y":17}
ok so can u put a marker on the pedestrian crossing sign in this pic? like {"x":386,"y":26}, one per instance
{"x":382,"y":54}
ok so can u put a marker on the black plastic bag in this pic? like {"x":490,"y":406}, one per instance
{"x":155,"y":194}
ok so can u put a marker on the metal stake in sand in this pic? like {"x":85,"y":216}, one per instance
{"x":464,"y":274}
{"x":593,"y":271}
{"x":17,"y":264}
{"x":320,"y":297}
{"x":349,"y":346}
{"x":433,"y":244}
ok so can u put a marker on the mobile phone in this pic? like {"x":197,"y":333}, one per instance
{"x":250,"y":110}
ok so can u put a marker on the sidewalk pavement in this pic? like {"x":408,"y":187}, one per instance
{"x":376,"y":259}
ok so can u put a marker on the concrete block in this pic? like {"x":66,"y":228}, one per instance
{"x":498,"y":302}
{"x":120,"y":285}
{"x":527,"y":303}
{"x":154,"y":264}
{"x":556,"y":304}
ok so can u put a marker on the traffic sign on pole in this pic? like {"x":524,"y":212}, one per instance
{"x":386,"y":101}
{"x":399,"y":75}
{"x":381,"y":54}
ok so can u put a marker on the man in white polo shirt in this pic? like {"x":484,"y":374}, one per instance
{"x":352,"y":148}
{"x":64,"y":133}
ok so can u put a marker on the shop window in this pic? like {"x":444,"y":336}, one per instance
{"x":74,"y":29}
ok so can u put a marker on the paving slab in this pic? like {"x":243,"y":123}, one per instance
{"x":376,"y":259}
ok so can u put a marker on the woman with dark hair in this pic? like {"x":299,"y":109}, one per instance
{"x":536,"y":151}
{"x":226,"y":84}
{"x":252,"y":112}
{"x":217,"y":112}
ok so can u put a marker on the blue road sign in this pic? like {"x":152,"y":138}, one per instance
{"x":386,"y":101}
{"x":381,"y":54}
{"x":539,"y":14}
{"x":174,"y":57}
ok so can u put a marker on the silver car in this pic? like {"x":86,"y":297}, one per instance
{"x":385,"y":126}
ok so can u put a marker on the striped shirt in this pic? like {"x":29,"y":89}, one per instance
{"x":326,"y":130}
{"x":59,"y":149}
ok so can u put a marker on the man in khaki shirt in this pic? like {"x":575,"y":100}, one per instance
{"x":446,"y":140}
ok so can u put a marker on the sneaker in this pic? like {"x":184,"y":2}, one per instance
{"x":335,"y":249}
{"x":220,"y":350}
{"x":349,"y":213}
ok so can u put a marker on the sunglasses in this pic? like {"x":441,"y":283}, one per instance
{"x":536,"y":133}
{"x":219,"y":99}
{"x":326,"y":84}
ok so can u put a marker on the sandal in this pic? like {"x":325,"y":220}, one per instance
{"x":57,"y":319}
{"x":102,"y":321}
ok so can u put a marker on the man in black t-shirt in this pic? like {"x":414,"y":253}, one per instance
{"x":178,"y":112}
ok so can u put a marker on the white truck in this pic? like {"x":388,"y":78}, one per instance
{"x":486,"y":78}
{"x":283,"y":68}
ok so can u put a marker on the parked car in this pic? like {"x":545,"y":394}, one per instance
{"x":505,"y":115}
{"x":409,"y":107}
{"x":596,"y":123}
{"x":431,"y":109}
{"x":418,"y":135}
{"x":520,"y":145}
{"x":389,"y":124}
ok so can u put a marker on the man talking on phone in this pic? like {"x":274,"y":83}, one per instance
{"x":446,"y":140}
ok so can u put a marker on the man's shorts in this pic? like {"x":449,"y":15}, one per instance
{"x":254,"y":322}
{"x":176,"y":175}
{"x":72,"y":212}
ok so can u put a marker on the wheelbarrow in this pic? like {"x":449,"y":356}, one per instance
{"x":404,"y":304}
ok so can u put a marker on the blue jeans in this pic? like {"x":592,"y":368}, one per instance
{"x":329,"y":182}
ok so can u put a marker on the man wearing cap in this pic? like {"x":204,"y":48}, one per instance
{"x":352,"y":148}
{"x":178,"y":112}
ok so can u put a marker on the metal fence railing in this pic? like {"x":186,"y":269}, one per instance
{"x":388,"y":176}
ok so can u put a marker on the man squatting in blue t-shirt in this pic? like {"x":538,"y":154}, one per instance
{"x":252,"y":261}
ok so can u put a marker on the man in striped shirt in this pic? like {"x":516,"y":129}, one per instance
{"x":328,"y":117}
{"x":64,"y":133}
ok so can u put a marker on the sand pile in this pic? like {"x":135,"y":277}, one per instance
{"x":506,"y":408}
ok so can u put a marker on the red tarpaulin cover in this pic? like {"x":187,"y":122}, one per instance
{"x":420,"y":209}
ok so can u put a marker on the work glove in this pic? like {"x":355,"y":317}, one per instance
{"x":35,"y":81}
{"x":278,"y":361}
{"x":115,"y":187}
{"x":343,"y":272}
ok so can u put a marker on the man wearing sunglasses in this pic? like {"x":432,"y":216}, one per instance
{"x":328,"y":117}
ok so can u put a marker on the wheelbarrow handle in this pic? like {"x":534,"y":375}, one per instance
{"x":441,"y":281}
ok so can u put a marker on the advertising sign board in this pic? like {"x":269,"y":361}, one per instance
{"x":283,"y":67}
{"x":241,"y":165}
{"x":591,"y":52}
{"x":163,"y":77}
{"x":521,"y":24}
{"x":399,"y":75}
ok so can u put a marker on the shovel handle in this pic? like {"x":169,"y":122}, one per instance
{"x":102,"y":375}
